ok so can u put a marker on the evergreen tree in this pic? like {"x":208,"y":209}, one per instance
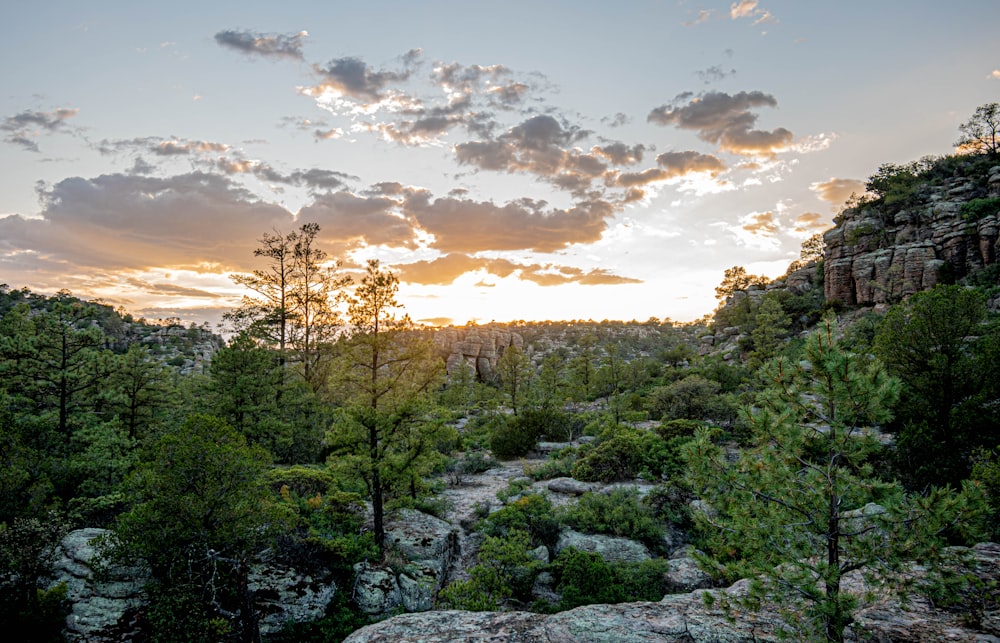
{"x":386,"y":374}
{"x":797,"y":511}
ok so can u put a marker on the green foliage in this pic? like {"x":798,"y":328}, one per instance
{"x":619,"y":513}
{"x":803,"y":506}
{"x":531,"y":513}
{"x":585,"y":578}
{"x":977,"y":209}
{"x":981,"y":133}
{"x":693,"y":398}
{"x":512,"y":436}
{"x":504,"y":571}
{"x":201,"y":511}
{"x":938,"y":344}
{"x":341,"y":619}
{"x":896,"y":186}
{"x":626,"y":454}
{"x":27,"y":551}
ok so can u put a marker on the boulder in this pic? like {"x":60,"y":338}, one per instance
{"x":105,"y":608}
{"x":689,"y":618}
{"x":100,"y":607}
{"x":421,"y":549}
{"x":611,"y":548}
{"x":569,"y":486}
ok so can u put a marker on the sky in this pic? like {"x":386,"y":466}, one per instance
{"x":507,"y":160}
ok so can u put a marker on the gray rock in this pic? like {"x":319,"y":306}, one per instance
{"x":376,"y":590}
{"x":569,"y":486}
{"x":98,"y":605}
{"x":611,"y":548}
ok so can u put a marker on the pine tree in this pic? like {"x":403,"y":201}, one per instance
{"x":803,"y":507}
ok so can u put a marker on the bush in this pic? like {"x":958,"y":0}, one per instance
{"x":511,"y":437}
{"x":618,"y":513}
{"x":531,"y":513}
{"x":614,"y":459}
{"x":585,"y":578}
{"x":976,"y":209}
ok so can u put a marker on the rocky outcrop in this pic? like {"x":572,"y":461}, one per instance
{"x":107,"y":607}
{"x":611,"y":548}
{"x":689,"y":618}
{"x":479,"y":347}
{"x":876,"y":256}
{"x":423,"y":549}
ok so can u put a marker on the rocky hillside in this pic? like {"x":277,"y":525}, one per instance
{"x":877,"y":253}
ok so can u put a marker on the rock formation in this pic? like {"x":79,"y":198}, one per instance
{"x":479,"y":347}
{"x":688,"y":618}
{"x":875,"y":256}
{"x":107,"y":607}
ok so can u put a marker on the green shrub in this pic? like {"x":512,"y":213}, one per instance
{"x":585,"y":578}
{"x":504,"y":571}
{"x":614,"y":459}
{"x":976,"y":209}
{"x":511,"y":437}
{"x":619,"y":513}
{"x":532,"y":513}
{"x":559,"y":464}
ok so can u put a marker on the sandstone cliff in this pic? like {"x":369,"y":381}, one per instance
{"x":479,"y":347}
{"x":875,"y":255}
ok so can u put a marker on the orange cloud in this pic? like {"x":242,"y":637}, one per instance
{"x":837,"y":191}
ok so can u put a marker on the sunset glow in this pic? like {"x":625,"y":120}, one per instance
{"x":508,"y":160}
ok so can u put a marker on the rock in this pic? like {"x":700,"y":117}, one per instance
{"x":100,"y":608}
{"x":423,"y":549}
{"x":689,"y":618}
{"x":685,"y":575}
{"x":874,"y":257}
{"x":611,"y":548}
{"x":105,"y":609}
{"x":478,"y":346}
{"x":376,"y":590}
{"x":569,"y":486}
{"x":283,"y":594}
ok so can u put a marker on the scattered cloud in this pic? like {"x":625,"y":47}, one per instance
{"x":761,"y":223}
{"x":446,"y":269}
{"x":742,"y":9}
{"x":351,"y":77}
{"x":749,"y":9}
{"x":809,"y":223}
{"x":995,"y":74}
{"x":462,"y":225}
{"x":267,"y":45}
{"x":836,"y":191}
{"x":703,"y":15}
{"x":128,"y":221}
{"x":24,"y":128}
{"x":726,"y":120}
{"x":714,"y":74}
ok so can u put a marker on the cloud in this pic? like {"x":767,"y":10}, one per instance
{"x":24,"y":128}
{"x":995,"y":74}
{"x":317,"y":180}
{"x":761,"y":223}
{"x":620,"y":153}
{"x":462,"y":225}
{"x":703,"y":15}
{"x":742,"y":9}
{"x":127,"y":221}
{"x":748,"y":9}
{"x":726,"y":120}
{"x":350,"y":219}
{"x":836,"y":192}
{"x":714,"y":73}
{"x":543,"y":146}
{"x":176,"y":147}
{"x":809,"y":223}
{"x":267,"y":45}
{"x":353,"y":78}
{"x":446,"y":269}
{"x":672,"y":165}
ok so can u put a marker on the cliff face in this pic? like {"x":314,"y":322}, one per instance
{"x":480,"y":348}
{"x":875,"y":256}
